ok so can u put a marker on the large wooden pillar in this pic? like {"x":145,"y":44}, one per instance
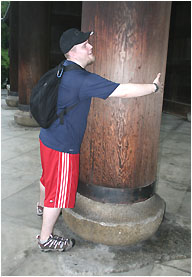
{"x":12,"y":97}
{"x":34,"y":45}
{"x":118,"y":161}
{"x":13,"y":48}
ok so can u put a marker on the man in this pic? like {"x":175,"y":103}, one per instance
{"x":60,"y":144}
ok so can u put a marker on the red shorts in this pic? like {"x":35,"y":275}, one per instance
{"x":59,"y":177}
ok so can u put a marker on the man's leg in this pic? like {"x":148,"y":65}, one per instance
{"x":47,"y":241}
{"x":42,"y":195}
{"x":50,"y":216}
{"x":40,"y":204}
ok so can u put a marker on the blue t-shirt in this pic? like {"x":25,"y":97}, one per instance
{"x":77,"y":86}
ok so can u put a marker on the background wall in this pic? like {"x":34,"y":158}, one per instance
{"x":177,"y":94}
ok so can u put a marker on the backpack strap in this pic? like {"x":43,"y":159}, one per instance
{"x":64,"y":112}
{"x":72,"y":67}
{"x":61,"y":70}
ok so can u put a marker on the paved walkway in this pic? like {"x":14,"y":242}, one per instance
{"x":166,"y":253}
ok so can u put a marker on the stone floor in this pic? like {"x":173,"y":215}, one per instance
{"x":167,"y":253}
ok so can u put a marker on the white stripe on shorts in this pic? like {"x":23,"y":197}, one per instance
{"x":58,"y":172}
{"x":64,"y":180}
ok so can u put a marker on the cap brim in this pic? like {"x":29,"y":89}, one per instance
{"x":85,"y":37}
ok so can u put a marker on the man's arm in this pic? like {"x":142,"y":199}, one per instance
{"x":136,"y":90}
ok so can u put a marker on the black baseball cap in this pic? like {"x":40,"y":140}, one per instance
{"x":72,"y":37}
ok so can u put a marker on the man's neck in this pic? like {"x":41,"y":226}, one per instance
{"x":77,"y":62}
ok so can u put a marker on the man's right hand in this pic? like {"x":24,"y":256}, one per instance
{"x":157,"y":81}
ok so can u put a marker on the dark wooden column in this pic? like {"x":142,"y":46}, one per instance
{"x":177,"y":96}
{"x":34,"y":33}
{"x":119,"y":152}
{"x":13,"y":48}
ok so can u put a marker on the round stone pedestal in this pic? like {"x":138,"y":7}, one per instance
{"x":115,"y":224}
{"x":12,"y":101}
{"x":24,"y":118}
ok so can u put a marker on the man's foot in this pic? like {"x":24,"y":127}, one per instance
{"x":39,"y":210}
{"x":55,"y":243}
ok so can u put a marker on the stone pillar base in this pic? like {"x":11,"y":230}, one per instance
{"x":12,"y":101}
{"x":24,"y":118}
{"x":115,"y":224}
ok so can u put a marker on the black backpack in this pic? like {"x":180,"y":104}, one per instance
{"x":43,"y":101}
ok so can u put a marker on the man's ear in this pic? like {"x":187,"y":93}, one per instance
{"x":72,"y":52}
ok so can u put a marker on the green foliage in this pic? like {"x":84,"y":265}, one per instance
{"x":4,"y":46}
{"x":4,"y":6}
{"x":4,"y":67}
{"x":4,"y":35}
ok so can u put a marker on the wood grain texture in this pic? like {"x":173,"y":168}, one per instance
{"x":33,"y":57}
{"x":130,"y":44}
